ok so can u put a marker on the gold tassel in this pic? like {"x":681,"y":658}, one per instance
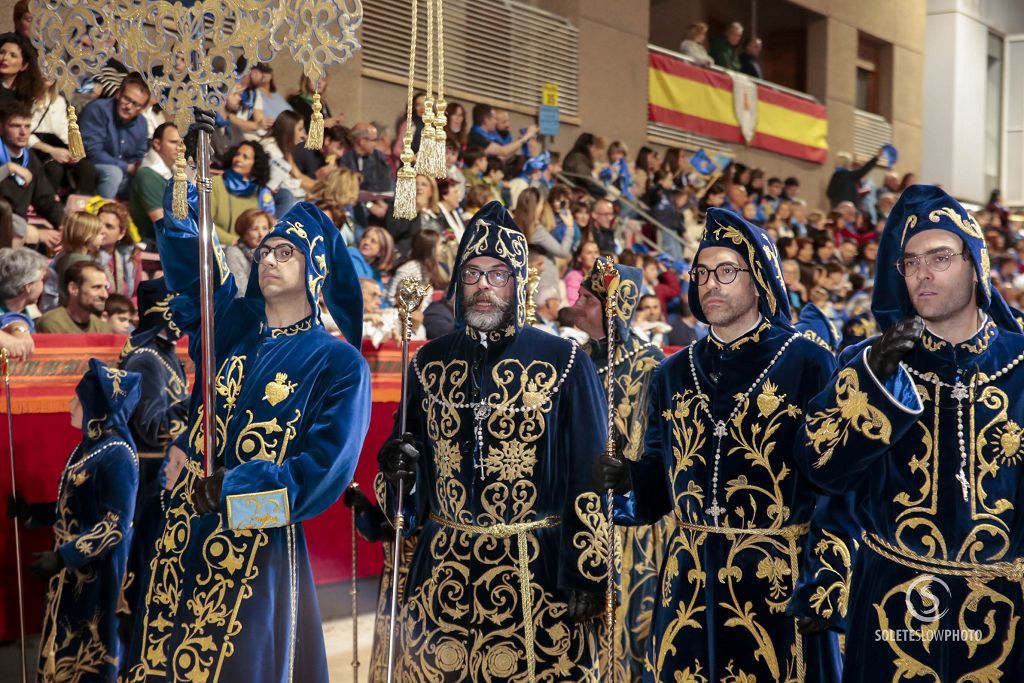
{"x":315,"y":134}
{"x":425,"y":155}
{"x":75,"y":144}
{"x":440,"y":137}
{"x":405,"y":185}
{"x":179,"y":198}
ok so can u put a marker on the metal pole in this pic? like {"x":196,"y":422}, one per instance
{"x":4,"y":362}
{"x":410,"y":294}
{"x":355,"y":598}
{"x":207,"y":267}
{"x":611,"y":292}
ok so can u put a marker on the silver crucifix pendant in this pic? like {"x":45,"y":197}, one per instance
{"x":715,"y":511}
{"x":962,"y":478}
{"x":481,"y":411}
{"x":720,"y":429}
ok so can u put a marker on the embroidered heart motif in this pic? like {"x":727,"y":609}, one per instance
{"x":278,"y":389}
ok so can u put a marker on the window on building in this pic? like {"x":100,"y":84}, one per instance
{"x":993,"y":111}
{"x":869,"y":63}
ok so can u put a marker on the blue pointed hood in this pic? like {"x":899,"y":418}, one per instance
{"x":927,"y":207}
{"x":726,"y":229}
{"x":108,"y":397}
{"x":818,"y":327}
{"x":329,"y":268}
{"x":492,"y":232}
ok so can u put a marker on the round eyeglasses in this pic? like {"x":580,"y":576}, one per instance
{"x":282,"y":252}
{"x":937,"y":262}
{"x":725,"y":273}
{"x":495,"y":278}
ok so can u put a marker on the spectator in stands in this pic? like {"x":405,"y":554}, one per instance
{"x":750,"y":60}
{"x":694,"y":45}
{"x":269,"y":103}
{"x":374,"y":258}
{"x":451,"y":159}
{"x":476,"y":197}
{"x":842,"y":186}
{"x":288,"y":183}
{"x":427,"y":216}
{"x":302,"y":102}
{"x":336,"y":193}
{"x":21,"y":283}
{"x":560,"y":207}
{"x":725,"y":47}
{"x":118,"y":313}
{"x":422,"y":264}
{"x":648,"y":322}
{"x":484,"y":134}
{"x":494,"y":178}
{"x":450,"y":200}
{"x":866,"y":260}
{"x":49,"y":141}
{"x":240,"y":108}
{"x":772,"y":194}
{"x":735,"y":198}
{"x":548,"y":305}
{"x":251,"y":226}
{"x":20,"y":77}
{"x":791,"y":188}
{"x":146,"y":198}
{"x":502,"y":126}
{"x":86,"y":285}
{"x":582,"y":160}
{"x":116,"y":136}
{"x":118,"y":255}
{"x":474,"y":166}
{"x":456,"y":129}
{"x":24,"y":181}
{"x":534,"y":220}
{"x":686,"y":329}
{"x":582,"y":263}
{"x":22,"y":17}
{"x":82,"y":236}
{"x":365,"y":158}
{"x":602,"y":218}
{"x":796,"y":289}
{"x":244,"y":185}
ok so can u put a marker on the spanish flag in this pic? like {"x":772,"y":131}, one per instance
{"x":701,"y":101}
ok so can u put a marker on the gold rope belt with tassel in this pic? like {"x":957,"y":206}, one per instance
{"x":519,"y":530}
{"x":985,"y":571}
{"x":791,"y":534}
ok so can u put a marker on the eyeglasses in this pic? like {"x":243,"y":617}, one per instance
{"x":725,"y":273}
{"x":282,"y":253}
{"x":495,"y":278}
{"x":124,"y":99}
{"x":936,"y":262}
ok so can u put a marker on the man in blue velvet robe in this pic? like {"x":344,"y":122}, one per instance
{"x":640,"y":547}
{"x":505,"y":422}
{"x":231,"y":595}
{"x":724,"y":416}
{"x":92,"y":523}
{"x":923,"y":424}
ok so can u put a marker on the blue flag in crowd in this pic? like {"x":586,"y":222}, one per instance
{"x":702,"y":163}
{"x":890,"y":155}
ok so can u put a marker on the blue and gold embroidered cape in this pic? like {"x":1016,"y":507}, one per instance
{"x":720,"y":611}
{"x":95,"y":503}
{"x":508,"y":520}
{"x":231,"y":596}
{"x":936,"y":592}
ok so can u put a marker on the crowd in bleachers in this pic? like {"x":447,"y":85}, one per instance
{"x":78,"y":234}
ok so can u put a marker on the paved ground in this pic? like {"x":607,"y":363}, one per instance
{"x":335,"y":603}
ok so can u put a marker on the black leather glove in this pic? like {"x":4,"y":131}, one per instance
{"x":398,"y":458}
{"x":584,"y":606}
{"x":204,"y":120}
{"x":46,"y":564}
{"x":612,"y":473}
{"x":18,"y":508}
{"x":206,"y":493}
{"x":808,"y":626}
{"x":355,"y":499}
{"x":888,"y":350}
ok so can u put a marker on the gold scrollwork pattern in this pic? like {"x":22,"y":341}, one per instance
{"x":831,"y":427}
{"x":101,"y":537}
{"x":592,"y":542}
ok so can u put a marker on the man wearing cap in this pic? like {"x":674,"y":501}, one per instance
{"x":633,"y":362}
{"x":924,"y":423}
{"x":723,"y":418}
{"x":504,"y":424}
{"x":231,"y":596}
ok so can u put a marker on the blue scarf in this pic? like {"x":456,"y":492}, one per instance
{"x":492,"y":136}
{"x":240,"y":187}
{"x":5,"y":157}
